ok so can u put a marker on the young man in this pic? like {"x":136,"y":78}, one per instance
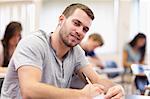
{"x":94,"y":40}
{"x":42,"y":65}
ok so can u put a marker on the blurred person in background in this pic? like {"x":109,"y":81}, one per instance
{"x":8,"y":44}
{"x":94,"y":41}
{"x":134,"y":53}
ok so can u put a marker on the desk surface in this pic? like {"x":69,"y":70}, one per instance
{"x":108,"y":70}
{"x":137,"y":97}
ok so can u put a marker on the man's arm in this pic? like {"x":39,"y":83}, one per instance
{"x":96,"y":61}
{"x":111,"y":89}
{"x":125,"y":58}
{"x":32,"y":88}
{"x":95,"y":78}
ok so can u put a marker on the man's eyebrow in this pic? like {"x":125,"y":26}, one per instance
{"x":86,"y":27}
{"x":77,"y":21}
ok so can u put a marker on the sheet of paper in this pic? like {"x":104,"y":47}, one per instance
{"x":99,"y":97}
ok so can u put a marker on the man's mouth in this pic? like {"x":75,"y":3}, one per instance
{"x":76,"y":37}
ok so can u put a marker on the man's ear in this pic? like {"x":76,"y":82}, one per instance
{"x":61,"y":19}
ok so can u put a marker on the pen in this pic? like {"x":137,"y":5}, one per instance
{"x":87,"y":79}
{"x":89,"y":82}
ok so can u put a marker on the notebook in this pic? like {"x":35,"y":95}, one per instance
{"x":99,"y":97}
{"x":137,"y":69}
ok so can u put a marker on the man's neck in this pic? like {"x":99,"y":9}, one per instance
{"x":84,"y":46}
{"x":59,"y":47}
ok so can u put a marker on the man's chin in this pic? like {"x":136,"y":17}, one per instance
{"x":72,"y":45}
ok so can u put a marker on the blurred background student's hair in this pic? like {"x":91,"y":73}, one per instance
{"x":94,"y":41}
{"x":9,"y":42}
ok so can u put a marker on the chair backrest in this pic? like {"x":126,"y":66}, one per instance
{"x":110,"y":65}
{"x":147,"y":73}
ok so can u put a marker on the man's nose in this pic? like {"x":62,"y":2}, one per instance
{"x":80,"y":31}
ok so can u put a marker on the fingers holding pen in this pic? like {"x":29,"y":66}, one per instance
{"x":115,"y":92}
{"x":93,"y":90}
{"x":100,"y":88}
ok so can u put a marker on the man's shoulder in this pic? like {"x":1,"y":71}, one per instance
{"x":34,"y":40}
{"x":36,"y":36}
{"x":40,"y":34}
{"x":77,"y":48}
{"x":127,"y":47}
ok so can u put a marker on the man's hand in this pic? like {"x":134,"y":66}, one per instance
{"x":115,"y":92}
{"x":92,"y":90}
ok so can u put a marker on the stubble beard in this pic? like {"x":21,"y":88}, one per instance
{"x":65,"y":40}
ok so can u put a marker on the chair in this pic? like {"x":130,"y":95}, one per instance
{"x":140,"y":76}
{"x":147,"y":88}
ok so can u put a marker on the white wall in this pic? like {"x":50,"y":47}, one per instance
{"x":104,"y":22}
{"x":24,"y":11}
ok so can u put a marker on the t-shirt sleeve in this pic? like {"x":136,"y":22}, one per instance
{"x":81,"y":59}
{"x":127,"y":47}
{"x":28,"y":53}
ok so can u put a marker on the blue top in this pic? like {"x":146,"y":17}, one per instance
{"x":90,"y":53}
{"x":133,"y":57}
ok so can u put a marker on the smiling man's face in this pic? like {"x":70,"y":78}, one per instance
{"x":74,"y":28}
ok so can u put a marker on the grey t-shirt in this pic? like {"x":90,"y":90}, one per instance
{"x":35,"y":50}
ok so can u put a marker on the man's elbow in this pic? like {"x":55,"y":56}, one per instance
{"x":27,"y":93}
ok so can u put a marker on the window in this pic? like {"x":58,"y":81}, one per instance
{"x":144,"y":21}
{"x":140,"y":21}
{"x":18,"y":10}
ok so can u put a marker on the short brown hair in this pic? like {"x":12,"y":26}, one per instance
{"x":97,"y":37}
{"x":71,"y":8}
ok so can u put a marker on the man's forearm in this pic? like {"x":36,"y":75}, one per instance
{"x":105,"y":82}
{"x":95,"y":78}
{"x":43,"y":91}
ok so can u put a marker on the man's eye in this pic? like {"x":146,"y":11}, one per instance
{"x":76,"y":23}
{"x":85,"y":29}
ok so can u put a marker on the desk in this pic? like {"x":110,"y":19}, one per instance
{"x":137,"y":97}
{"x":108,"y":70}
